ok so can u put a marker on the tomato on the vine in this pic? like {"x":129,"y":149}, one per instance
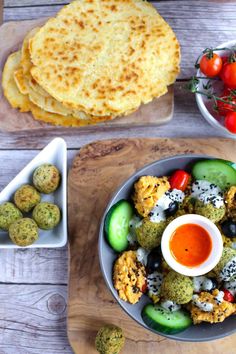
{"x":229,"y":106}
{"x":179,"y":180}
{"x":228,"y":75}
{"x":211,"y":65}
{"x":230,"y":122}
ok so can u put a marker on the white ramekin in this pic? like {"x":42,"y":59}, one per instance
{"x":216,"y":238}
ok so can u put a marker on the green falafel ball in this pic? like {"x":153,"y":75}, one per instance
{"x":46,"y":178}
{"x":26,"y":197}
{"x":226,"y":268}
{"x":149,"y":233}
{"x":209,"y":211}
{"x":109,"y":340}
{"x":23,"y":232}
{"x":9,"y":213}
{"x":46,"y":215}
{"x":177,"y":287}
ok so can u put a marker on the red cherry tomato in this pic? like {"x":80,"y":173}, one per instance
{"x":211,"y":66}
{"x":228,"y":296}
{"x":224,"y":60}
{"x":228,"y":75}
{"x":144,"y":287}
{"x":179,"y":180}
{"x":230,"y":122}
{"x":223,"y":108}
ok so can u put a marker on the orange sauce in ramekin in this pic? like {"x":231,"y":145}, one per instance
{"x":190,"y":245}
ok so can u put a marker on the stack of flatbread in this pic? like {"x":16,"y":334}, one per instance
{"x":95,"y":61}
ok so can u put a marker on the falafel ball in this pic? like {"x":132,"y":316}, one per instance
{"x":26,"y":197}
{"x":46,"y":178}
{"x":46,"y":215}
{"x":109,"y":340}
{"x":177,"y":287}
{"x":209,"y":211}
{"x":23,"y":232}
{"x":226,"y":268}
{"x":149,"y":233}
{"x":9,"y":213}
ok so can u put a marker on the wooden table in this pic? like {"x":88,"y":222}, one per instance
{"x":33,"y":283}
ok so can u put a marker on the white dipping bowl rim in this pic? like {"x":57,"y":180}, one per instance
{"x":217,"y":245}
{"x":201,"y":105}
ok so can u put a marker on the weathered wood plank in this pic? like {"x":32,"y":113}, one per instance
{"x":20,"y":3}
{"x":34,"y":266}
{"x":33,"y":319}
{"x":187,"y":122}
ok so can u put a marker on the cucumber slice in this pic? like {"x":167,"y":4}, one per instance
{"x":230,"y":163}
{"x":162,"y":320}
{"x":117,"y":225}
{"x":215,"y":171}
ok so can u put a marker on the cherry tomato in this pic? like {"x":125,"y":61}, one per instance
{"x":228,"y":75}
{"x":230,"y":122}
{"x":179,"y":180}
{"x":144,"y":287}
{"x":228,"y":296}
{"x":223,"y":108}
{"x":211,"y":67}
{"x":224,"y":60}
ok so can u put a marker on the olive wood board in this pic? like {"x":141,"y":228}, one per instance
{"x":96,"y":173}
{"x":157,"y":112}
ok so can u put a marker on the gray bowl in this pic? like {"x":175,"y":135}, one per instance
{"x":197,"y":333}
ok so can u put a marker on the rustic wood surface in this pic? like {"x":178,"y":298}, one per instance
{"x":28,"y":276}
{"x":100,"y":168}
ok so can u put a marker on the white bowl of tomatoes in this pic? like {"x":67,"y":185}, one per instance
{"x":215,"y":87}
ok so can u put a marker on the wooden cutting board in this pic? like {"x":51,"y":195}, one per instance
{"x":157,"y":112}
{"x":97,"y":171}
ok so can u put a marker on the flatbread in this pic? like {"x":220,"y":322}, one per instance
{"x":105,"y":57}
{"x":37,"y":94}
{"x":22,"y":102}
{"x":10,"y":90}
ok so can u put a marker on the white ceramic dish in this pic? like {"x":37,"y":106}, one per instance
{"x":216,"y":238}
{"x":206,"y":106}
{"x":55,"y":153}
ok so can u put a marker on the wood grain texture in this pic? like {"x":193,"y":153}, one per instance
{"x":33,"y":319}
{"x":187,"y":122}
{"x":95,"y":174}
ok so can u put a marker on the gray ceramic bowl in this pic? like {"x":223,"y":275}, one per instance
{"x":198,"y":333}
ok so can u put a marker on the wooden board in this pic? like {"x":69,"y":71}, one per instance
{"x":157,"y":112}
{"x":96,"y":172}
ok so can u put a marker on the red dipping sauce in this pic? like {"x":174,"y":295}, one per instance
{"x":190,"y":245}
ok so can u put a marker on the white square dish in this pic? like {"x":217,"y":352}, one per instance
{"x":55,"y":153}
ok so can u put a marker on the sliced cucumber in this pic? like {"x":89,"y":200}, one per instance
{"x":230,"y":163}
{"x":215,"y":171}
{"x":117,"y":225}
{"x":162,"y":320}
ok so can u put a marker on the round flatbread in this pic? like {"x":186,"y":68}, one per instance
{"x":10,"y":90}
{"x":105,"y":57}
